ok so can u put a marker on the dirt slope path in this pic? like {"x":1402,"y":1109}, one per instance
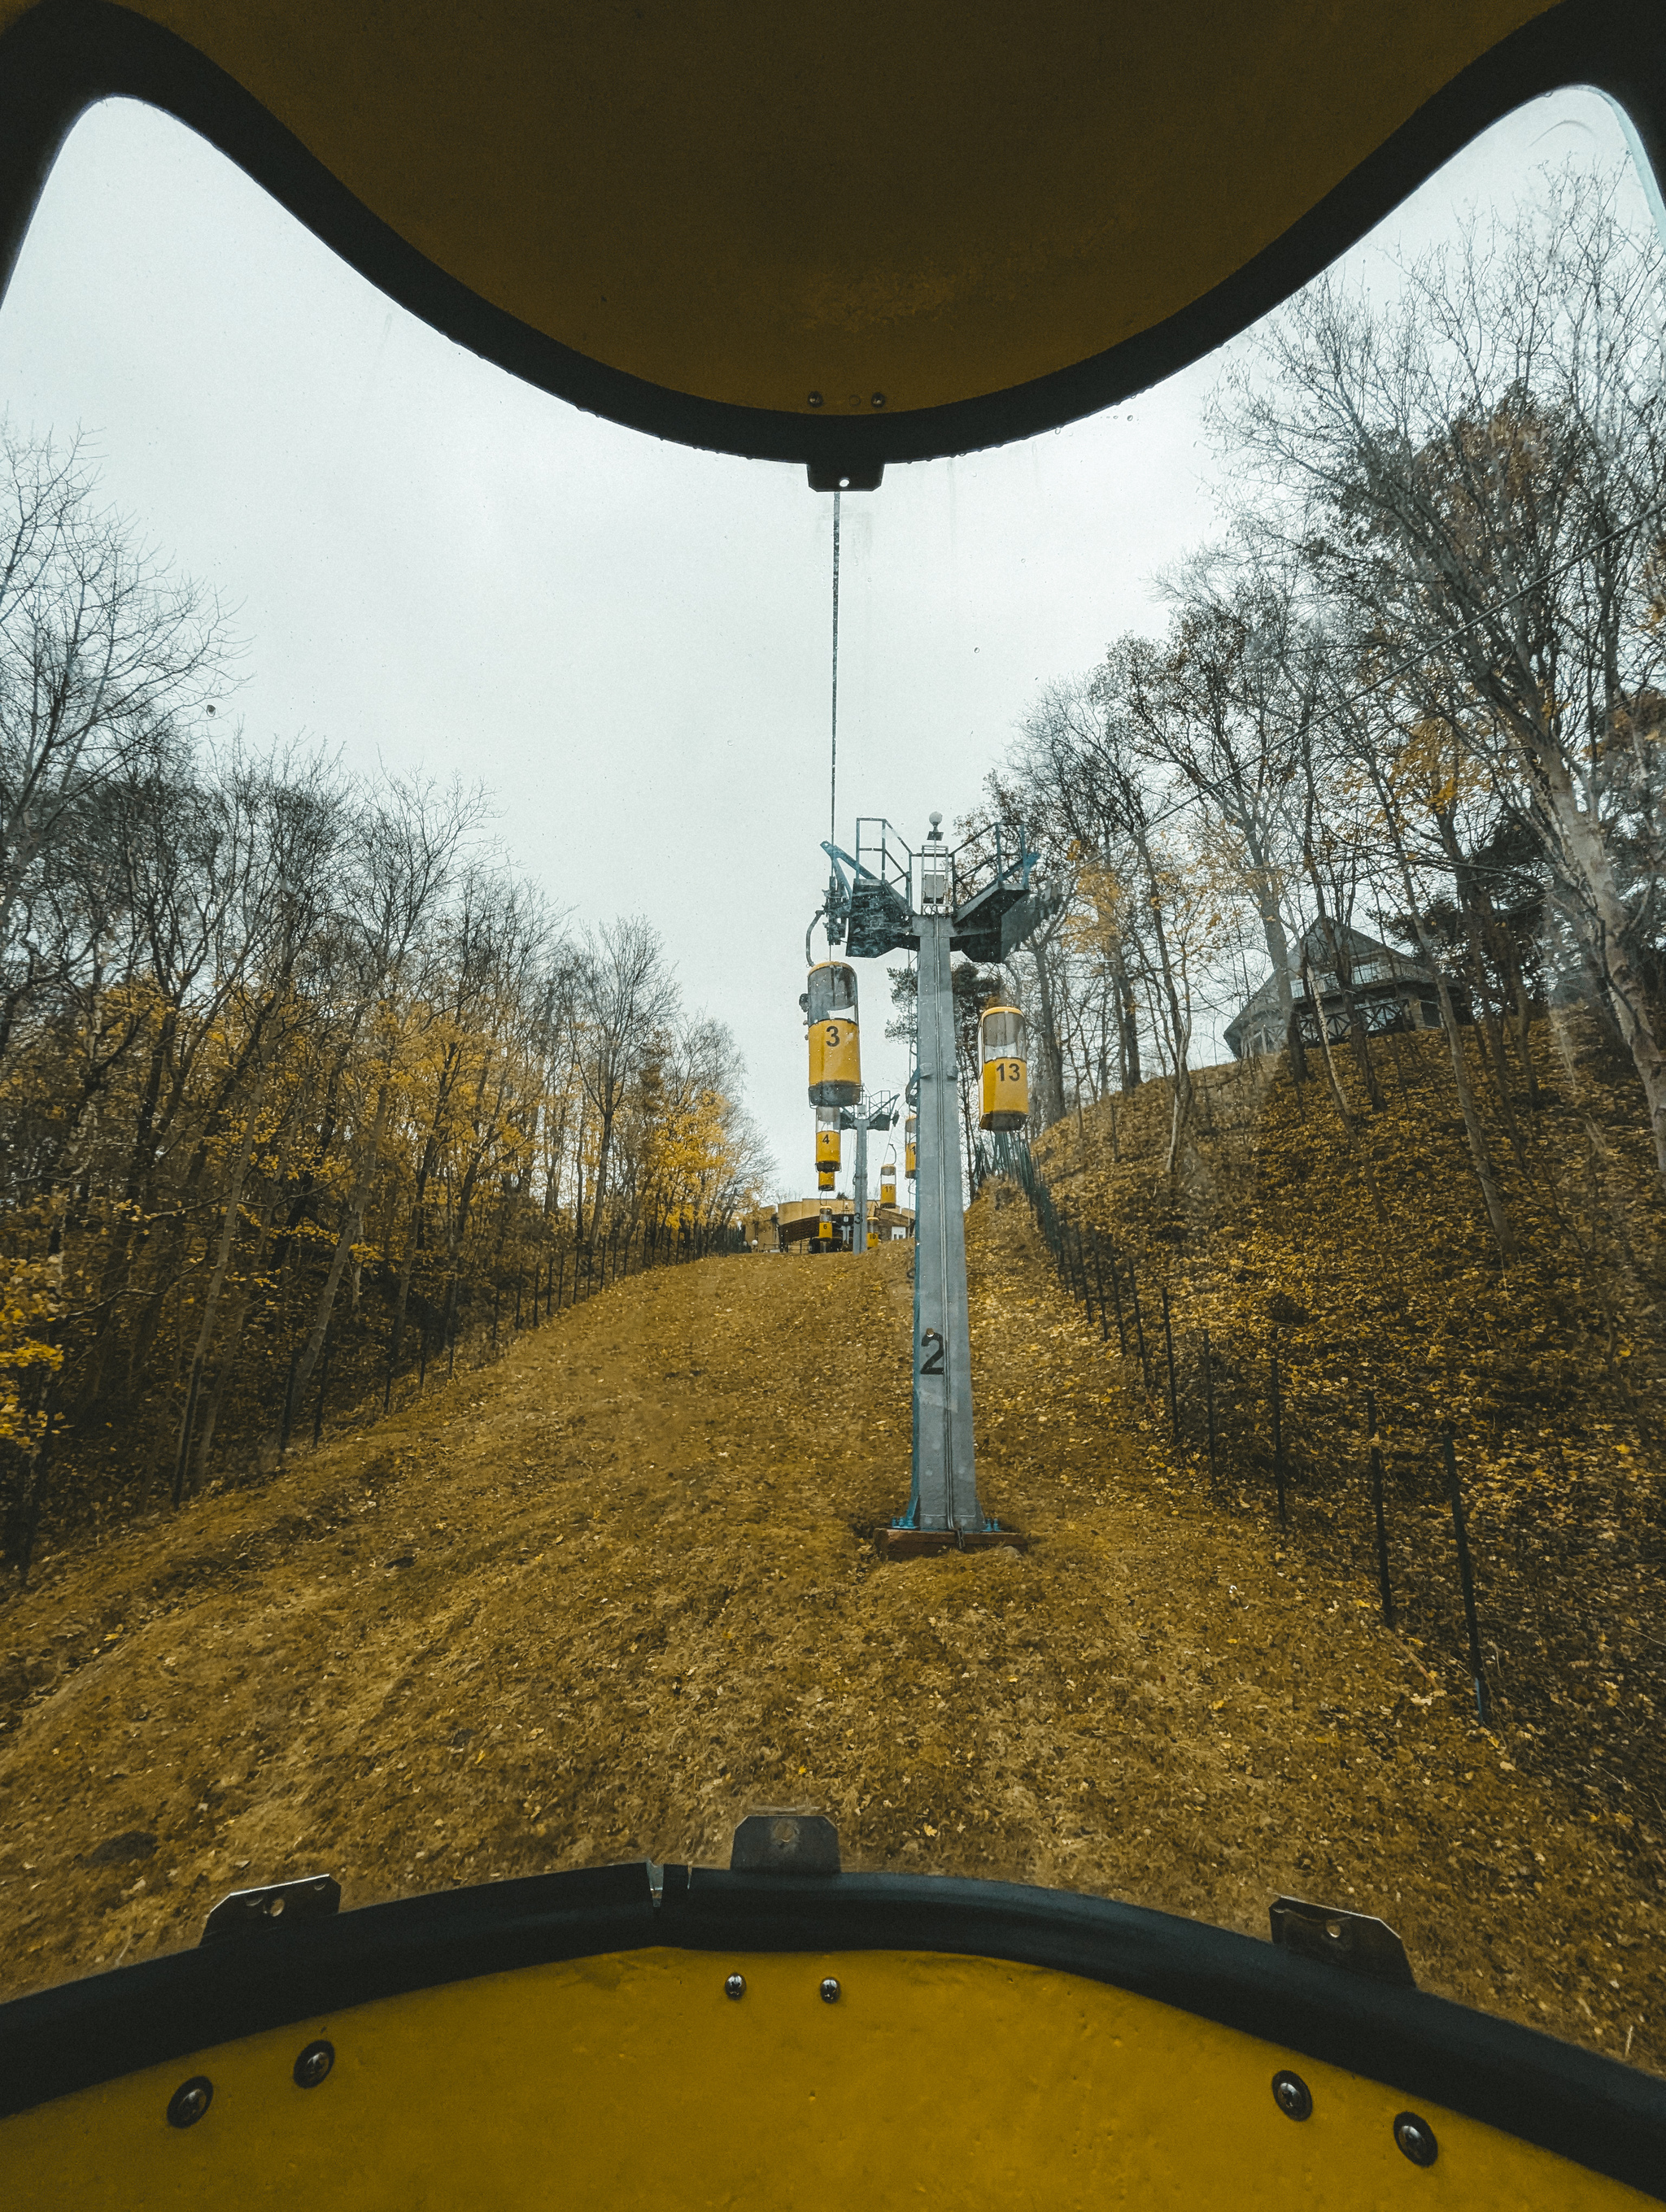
{"x":599,"y":1601}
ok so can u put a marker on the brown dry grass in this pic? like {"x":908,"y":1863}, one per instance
{"x":1365,"y":1263}
{"x":598,"y":1602}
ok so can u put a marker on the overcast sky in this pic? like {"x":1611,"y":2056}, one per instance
{"x":439,"y":567}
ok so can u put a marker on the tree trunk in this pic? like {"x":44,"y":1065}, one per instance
{"x":1600,"y":920}
{"x":1295,"y":1049}
{"x":216,"y":1279}
{"x":1504,"y":1234}
{"x":352,"y":1224}
{"x":1344,"y":1111}
{"x":1464,"y":883}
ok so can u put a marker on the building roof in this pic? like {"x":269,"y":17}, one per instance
{"x":1373,"y":964}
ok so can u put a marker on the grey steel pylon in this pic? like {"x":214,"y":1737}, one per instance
{"x":974,"y":899}
{"x":944,"y":1461}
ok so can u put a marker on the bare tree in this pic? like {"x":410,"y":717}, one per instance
{"x":1475,"y":474}
{"x":407,"y":847}
{"x":100,"y":651}
{"x":624,"y":993}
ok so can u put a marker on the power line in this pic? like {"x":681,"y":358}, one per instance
{"x":1180,"y":805}
{"x":1509,"y":600}
{"x":833,"y":773}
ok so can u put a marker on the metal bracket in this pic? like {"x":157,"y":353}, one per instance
{"x":1353,"y":1940}
{"x":785,"y":1843}
{"x":315,"y":1899}
{"x":855,"y":472}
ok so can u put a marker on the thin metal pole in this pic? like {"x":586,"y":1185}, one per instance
{"x":858,"y":1181}
{"x":1465,"y":1578}
{"x":1383,"y":1583}
{"x":1116,"y":1300}
{"x":1278,"y":1443}
{"x":1209,"y":1399}
{"x":1139,"y":1325}
{"x":288,"y":1404}
{"x":1168,"y":1345}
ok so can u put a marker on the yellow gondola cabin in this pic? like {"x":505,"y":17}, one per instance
{"x":836,"y":1059}
{"x":1006,"y":1069}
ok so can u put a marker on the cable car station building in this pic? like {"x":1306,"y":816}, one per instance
{"x":795,"y":1225}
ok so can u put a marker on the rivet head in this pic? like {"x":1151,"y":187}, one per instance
{"x":315,"y":2064}
{"x":830,"y":1991}
{"x":1293,"y":2096}
{"x":1416,"y":2138}
{"x":879,"y":399}
{"x":815,"y":399}
{"x":190,"y":2101}
{"x":735,"y":1986}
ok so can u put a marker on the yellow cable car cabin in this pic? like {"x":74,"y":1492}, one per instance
{"x":907,"y":1147}
{"x":826,"y":1146}
{"x":677,"y":2036}
{"x":836,"y":1059}
{"x":888,"y":1182}
{"x":1004,"y":1042}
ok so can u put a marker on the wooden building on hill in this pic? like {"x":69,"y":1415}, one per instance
{"x":1392,"y":991}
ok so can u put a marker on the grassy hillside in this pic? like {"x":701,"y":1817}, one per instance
{"x":599,"y":1601}
{"x":1361,"y":1257}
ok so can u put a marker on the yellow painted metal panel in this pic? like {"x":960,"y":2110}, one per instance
{"x":835,"y":1064}
{"x":633,"y":2079}
{"x":1005,"y":1094}
{"x":752,"y":203}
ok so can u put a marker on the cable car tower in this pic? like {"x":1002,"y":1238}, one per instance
{"x":974,"y":898}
